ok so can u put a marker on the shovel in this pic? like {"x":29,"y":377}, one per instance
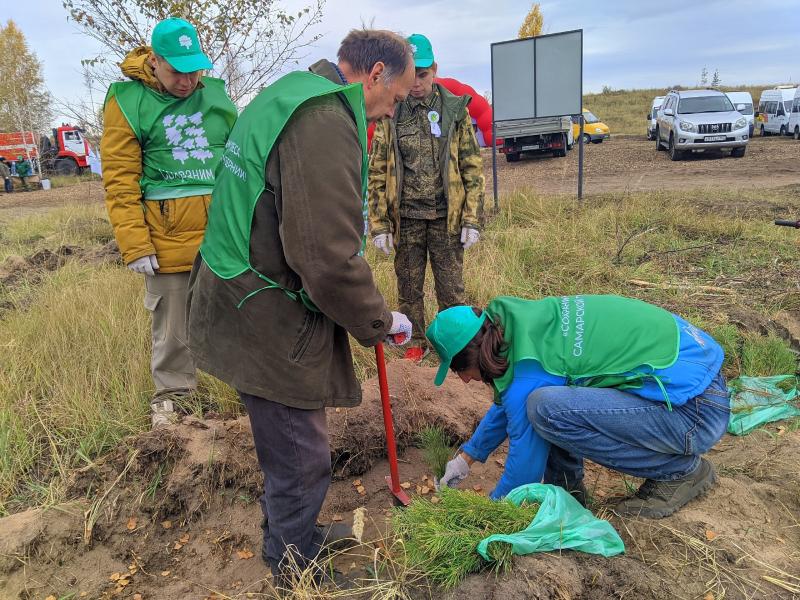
{"x":394,"y":478}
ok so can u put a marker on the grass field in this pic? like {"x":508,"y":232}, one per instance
{"x":74,"y":377}
{"x":624,"y":111}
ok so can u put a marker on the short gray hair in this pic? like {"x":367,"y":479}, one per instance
{"x":362,"y":48}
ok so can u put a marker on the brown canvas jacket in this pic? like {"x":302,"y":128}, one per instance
{"x":306,"y":232}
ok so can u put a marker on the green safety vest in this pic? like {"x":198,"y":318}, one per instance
{"x":242,"y":175}
{"x":181,"y":138}
{"x":599,"y":340}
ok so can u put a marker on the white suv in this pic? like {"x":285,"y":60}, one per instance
{"x":700,"y":120}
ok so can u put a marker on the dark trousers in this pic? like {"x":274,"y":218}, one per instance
{"x":294,"y":454}
{"x":9,"y":187}
{"x":420,"y":238}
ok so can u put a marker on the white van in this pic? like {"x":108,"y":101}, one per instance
{"x":774,"y":108}
{"x":651,"y":117}
{"x":794,"y":117}
{"x":743,"y":103}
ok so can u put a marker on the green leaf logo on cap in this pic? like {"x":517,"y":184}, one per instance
{"x":422,"y":49}
{"x":175,"y":40}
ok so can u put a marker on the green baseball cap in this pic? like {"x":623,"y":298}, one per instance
{"x":176,"y":41}
{"x":423,"y":51}
{"x":450,"y":332}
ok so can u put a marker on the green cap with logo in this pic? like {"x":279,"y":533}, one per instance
{"x":423,"y":51}
{"x":176,"y":41}
{"x":450,"y":332}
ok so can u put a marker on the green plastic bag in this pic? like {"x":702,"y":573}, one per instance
{"x":759,"y":400}
{"x":561,"y":524}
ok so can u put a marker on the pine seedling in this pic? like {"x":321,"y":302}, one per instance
{"x":435,"y":449}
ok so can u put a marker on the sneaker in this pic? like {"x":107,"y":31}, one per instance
{"x":162,"y":413}
{"x":657,"y":499}
{"x":416,"y":354}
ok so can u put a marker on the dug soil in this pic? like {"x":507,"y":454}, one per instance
{"x":631,"y":163}
{"x":174,"y":515}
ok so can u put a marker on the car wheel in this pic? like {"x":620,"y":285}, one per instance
{"x":738,"y":152}
{"x":783,"y":130}
{"x":674,"y":153}
{"x":657,"y":136}
{"x":512,"y":157}
{"x":600,"y":141}
{"x":797,"y":133}
{"x":587,"y":139}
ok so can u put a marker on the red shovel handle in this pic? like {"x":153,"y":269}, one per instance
{"x":394,"y":480}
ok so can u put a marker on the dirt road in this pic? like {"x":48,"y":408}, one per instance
{"x":632,"y":164}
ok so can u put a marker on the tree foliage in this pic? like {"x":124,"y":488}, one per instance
{"x":249,"y":41}
{"x":533,"y":23}
{"x":24,"y":100}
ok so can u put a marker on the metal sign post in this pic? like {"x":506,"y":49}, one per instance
{"x":580,"y":158}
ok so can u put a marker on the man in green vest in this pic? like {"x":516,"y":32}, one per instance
{"x":164,"y":131}
{"x":426,"y":189}
{"x":281,"y":279}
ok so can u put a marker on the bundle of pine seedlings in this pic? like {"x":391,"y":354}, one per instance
{"x":441,"y":535}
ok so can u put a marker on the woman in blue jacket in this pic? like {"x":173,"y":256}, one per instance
{"x":616,"y":380}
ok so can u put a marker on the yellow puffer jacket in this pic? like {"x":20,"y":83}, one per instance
{"x":172,"y":230}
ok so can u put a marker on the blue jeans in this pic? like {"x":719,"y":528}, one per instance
{"x":624,"y":432}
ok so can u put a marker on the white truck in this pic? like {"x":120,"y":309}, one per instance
{"x":544,"y":135}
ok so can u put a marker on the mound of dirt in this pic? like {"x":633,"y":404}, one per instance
{"x":174,"y":515}
{"x":357,"y":435}
{"x":14,"y":268}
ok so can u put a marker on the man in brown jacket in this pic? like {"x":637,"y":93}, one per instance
{"x":280,"y":281}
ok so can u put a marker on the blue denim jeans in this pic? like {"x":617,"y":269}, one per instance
{"x":624,"y":432}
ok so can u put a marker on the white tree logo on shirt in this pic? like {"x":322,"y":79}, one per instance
{"x":187,"y":137}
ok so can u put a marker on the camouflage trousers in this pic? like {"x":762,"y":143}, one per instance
{"x":418,"y":239}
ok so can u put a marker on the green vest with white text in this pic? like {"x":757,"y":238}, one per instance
{"x":593,"y":341}
{"x":181,"y":138}
{"x":241,"y":178}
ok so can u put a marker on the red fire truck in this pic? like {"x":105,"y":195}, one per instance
{"x":66,"y":153}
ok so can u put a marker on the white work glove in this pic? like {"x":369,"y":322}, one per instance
{"x":147,"y":265}
{"x":455,"y":472}
{"x":400,"y":332}
{"x":384,"y":243}
{"x":469,"y":236}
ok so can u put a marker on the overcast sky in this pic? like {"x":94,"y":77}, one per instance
{"x":627,"y":43}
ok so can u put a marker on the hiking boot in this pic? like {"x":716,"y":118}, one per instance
{"x":657,"y":499}
{"x":578,"y":491}
{"x":416,"y":354}
{"x":162,"y":413}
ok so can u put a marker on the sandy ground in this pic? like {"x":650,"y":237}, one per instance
{"x":631,"y":163}
{"x":197,"y":532}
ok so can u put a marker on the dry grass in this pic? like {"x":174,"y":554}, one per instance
{"x":74,"y":378}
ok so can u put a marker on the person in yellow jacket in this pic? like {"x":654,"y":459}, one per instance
{"x":164,"y":132}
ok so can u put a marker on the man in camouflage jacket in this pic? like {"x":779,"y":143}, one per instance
{"x":426,"y":190}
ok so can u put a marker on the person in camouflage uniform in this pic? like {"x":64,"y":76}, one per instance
{"x":426,"y":190}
